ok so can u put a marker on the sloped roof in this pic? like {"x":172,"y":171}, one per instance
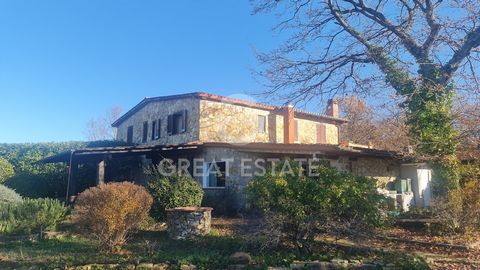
{"x":208,"y":96}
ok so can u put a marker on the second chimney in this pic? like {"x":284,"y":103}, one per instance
{"x":332,"y":108}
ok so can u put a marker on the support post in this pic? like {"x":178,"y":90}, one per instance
{"x":73,"y":178}
{"x":101,"y":172}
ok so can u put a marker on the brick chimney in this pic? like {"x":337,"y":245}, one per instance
{"x":289,"y":124}
{"x":332,"y":108}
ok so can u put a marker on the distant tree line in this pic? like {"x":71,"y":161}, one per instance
{"x":32,"y":179}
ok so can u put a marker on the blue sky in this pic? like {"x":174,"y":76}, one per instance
{"x":64,"y":62}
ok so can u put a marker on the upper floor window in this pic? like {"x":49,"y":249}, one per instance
{"x":262,"y":124}
{"x":214,"y":174}
{"x":177,"y":123}
{"x":130,"y":134}
{"x":145,"y":132}
{"x":156,"y":128}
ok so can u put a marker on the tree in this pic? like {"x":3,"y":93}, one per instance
{"x":6,"y":170}
{"x":467,"y":115}
{"x":414,"y":47}
{"x":100,"y":128}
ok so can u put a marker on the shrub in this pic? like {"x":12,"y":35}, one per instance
{"x":174,"y":191}
{"x":111,"y":212}
{"x":298,"y":208}
{"x":459,"y":211}
{"x":31,"y":215}
{"x":6,"y":170}
{"x":9,"y":195}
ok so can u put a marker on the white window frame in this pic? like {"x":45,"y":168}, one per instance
{"x":206,"y":175}
{"x":264,"y":130}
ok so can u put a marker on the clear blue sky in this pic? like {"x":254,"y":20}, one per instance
{"x":64,"y":62}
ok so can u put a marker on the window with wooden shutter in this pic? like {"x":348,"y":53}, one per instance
{"x":154,"y":128}
{"x":159,"y":129}
{"x":170,"y":124}
{"x":321,"y":133}
{"x":145,"y":132}
{"x":130,"y":134}
{"x":177,"y":123}
{"x":184,"y":121}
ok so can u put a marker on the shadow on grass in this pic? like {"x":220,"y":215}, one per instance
{"x":208,"y":252}
{"x":52,"y":253}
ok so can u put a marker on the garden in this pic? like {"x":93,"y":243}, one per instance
{"x":332,"y":220}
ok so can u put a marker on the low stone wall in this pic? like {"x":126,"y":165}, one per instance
{"x":188,"y":222}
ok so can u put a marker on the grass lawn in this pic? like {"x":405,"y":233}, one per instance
{"x":154,"y":246}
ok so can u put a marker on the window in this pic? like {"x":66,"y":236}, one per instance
{"x":214,"y":174}
{"x":262,"y":124}
{"x":156,"y":128}
{"x":296,"y":131}
{"x":177,"y":123}
{"x":145,"y":132}
{"x":130,"y":134}
{"x":321,"y":133}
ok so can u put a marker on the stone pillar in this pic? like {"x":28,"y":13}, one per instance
{"x":72,"y":182}
{"x":101,"y":172}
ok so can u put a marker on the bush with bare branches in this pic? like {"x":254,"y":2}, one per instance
{"x":111,"y":212}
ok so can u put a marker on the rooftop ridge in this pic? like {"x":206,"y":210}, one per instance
{"x":224,"y":99}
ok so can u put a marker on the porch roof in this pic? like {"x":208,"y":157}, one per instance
{"x":278,"y":148}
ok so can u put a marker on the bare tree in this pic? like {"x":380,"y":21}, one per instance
{"x":467,"y":115}
{"x":99,"y":128}
{"x":367,"y":126}
{"x":420,"y":49}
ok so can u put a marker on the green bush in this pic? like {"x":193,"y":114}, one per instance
{"x":173,"y":191}
{"x":6,"y":170}
{"x":30,"y":215}
{"x":297,"y":208}
{"x":9,"y":195}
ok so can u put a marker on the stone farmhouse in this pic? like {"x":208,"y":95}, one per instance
{"x":223,"y":142}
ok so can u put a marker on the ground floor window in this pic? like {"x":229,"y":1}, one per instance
{"x":214,"y":174}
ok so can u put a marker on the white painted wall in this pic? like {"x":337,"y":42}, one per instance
{"x":421,"y":176}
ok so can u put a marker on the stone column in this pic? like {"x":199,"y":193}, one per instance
{"x":101,"y":172}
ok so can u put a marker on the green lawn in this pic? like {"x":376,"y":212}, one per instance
{"x":209,"y":252}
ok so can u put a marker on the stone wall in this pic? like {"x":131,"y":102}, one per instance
{"x":384,"y":170}
{"x":160,"y":110}
{"x":213,"y":121}
{"x":221,"y":122}
{"x":188,"y":222}
{"x":308,"y":132}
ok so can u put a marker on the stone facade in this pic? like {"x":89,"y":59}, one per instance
{"x":160,"y":110}
{"x":307,"y":132}
{"x":384,"y":170}
{"x":222,"y":122}
{"x":216,"y":121}
{"x":188,"y":222}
